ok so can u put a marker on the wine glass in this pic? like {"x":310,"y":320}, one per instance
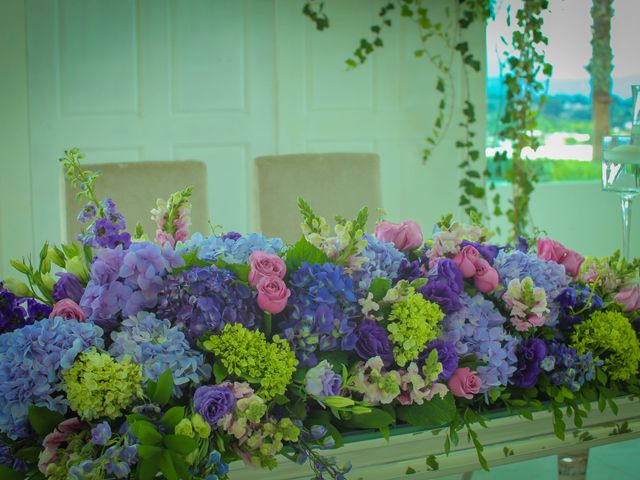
{"x":621,"y":174}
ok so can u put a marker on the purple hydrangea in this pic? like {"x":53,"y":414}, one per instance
{"x":230,"y":248}
{"x":321,"y":381}
{"x":530,"y":353}
{"x":477,"y":328}
{"x":444,"y":286}
{"x":373,"y":341}
{"x":67,"y":286}
{"x":321,"y":311}
{"x":205,"y":299}
{"x":382,"y":261}
{"x":447,"y":356}
{"x":31,"y":360}
{"x":213,"y":403}
{"x":157,"y":347}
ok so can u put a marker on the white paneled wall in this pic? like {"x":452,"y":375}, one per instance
{"x":224,"y":81}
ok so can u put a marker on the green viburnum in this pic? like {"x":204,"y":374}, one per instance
{"x":99,"y":386}
{"x":414,"y":322}
{"x":611,"y":338}
{"x":247,"y":355}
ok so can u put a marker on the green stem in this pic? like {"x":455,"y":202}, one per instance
{"x":267,"y":325}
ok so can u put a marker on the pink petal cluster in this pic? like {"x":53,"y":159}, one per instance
{"x":405,"y":236}
{"x":464,"y":383}
{"x":629,"y":297}
{"x":266,"y":274}
{"x":69,"y":310}
{"x":551,"y":250}
{"x":472,"y":265}
{"x":55,"y":439}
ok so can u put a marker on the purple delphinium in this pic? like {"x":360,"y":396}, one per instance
{"x":477,"y":328}
{"x":101,"y":434}
{"x":444,"y":285}
{"x":213,"y":403}
{"x":321,"y":381}
{"x":231,"y":236}
{"x":67,"y":286}
{"x":565,"y":367}
{"x":373,"y":341}
{"x":575,"y":303}
{"x":447,"y":356}
{"x":37,"y":310}
{"x":488,"y":252}
{"x":12,"y":314}
{"x":205,"y":299}
{"x":106,"y":231}
{"x":320,"y":312}
{"x":530,"y":353}
{"x":382,"y":261}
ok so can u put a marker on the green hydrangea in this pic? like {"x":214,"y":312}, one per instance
{"x":99,"y":386}
{"x":414,"y":322}
{"x":611,"y":338}
{"x":247,"y":354}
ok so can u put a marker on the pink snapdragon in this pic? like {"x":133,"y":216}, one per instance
{"x":527,"y":302}
{"x":173,"y":218}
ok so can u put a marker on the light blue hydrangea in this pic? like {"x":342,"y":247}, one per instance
{"x":477,"y":328}
{"x":383,"y":261}
{"x":31,"y":361}
{"x":230,"y":249}
{"x":157,"y":346}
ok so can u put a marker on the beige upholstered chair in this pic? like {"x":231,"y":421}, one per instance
{"x":333,"y":183}
{"x":135,"y":187}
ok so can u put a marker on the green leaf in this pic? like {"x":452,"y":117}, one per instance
{"x":149,"y":467}
{"x":172,"y":417}
{"x":43,"y":420}
{"x":410,"y":471}
{"x":180,"y":444}
{"x":146,"y":433}
{"x":240,"y":269}
{"x":434,"y":413}
{"x":19,"y":266}
{"x":376,"y":418}
{"x":148,"y":451}
{"x":165,"y":463}
{"x":181,"y":466}
{"x":164,"y":388}
{"x":432,"y":463}
{"x":7,"y":473}
{"x":301,"y":252}
{"x":219,"y":372}
{"x":379,"y":288}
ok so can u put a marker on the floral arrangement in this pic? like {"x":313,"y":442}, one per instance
{"x":126,"y":358}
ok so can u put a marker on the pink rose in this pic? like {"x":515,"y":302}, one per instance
{"x":486,"y":278}
{"x":464,"y":383}
{"x":551,"y":250}
{"x":265,"y":265}
{"x":629,"y":297}
{"x":272,"y":294}
{"x":466,"y":260}
{"x":69,"y":310}
{"x":405,"y":236}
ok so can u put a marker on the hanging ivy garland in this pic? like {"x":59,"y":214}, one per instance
{"x":523,"y":89}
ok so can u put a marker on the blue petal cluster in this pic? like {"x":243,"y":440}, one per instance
{"x":320,"y":311}
{"x":383,"y":261}
{"x":567,"y":368}
{"x":126,"y":281}
{"x":205,"y":299}
{"x":477,"y":328}
{"x":31,"y":359}
{"x":157,"y":346}
{"x":230,"y":248}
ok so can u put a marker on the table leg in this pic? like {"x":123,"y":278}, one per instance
{"x":573,"y":465}
{"x":465,"y":476}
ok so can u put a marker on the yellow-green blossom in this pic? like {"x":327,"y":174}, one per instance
{"x":414,"y":322}
{"x":611,"y":338}
{"x":202,"y":428}
{"x":247,"y":354}
{"x":184,"y":427}
{"x":99,"y":386}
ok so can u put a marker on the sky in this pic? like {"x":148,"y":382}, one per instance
{"x":568,"y":27}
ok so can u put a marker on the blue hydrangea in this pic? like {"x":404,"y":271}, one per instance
{"x":205,"y":299}
{"x":320,"y":312}
{"x":157,"y":346}
{"x":31,"y":360}
{"x":477,"y":328}
{"x":546,"y":274}
{"x":232,"y":248}
{"x":383,"y":261}
{"x":565,"y":367}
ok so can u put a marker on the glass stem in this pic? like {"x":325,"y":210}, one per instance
{"x":625,"y":203}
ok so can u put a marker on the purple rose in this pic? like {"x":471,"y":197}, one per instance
{"x":447,"y":356}
{"x":438,"y":291}
{"x":68,"y":286}
{"x":530,"y":353}
{"x":373,"y":341}
{"x":489,"y":252}
{"x":321,"y":381}
{"x":213,"y":403}
{"x":448,"y":272}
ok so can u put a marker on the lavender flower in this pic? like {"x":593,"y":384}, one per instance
{"x":373,"y":341}
{"x":158,"y":347}
{"x":444,"y":286}
{"x":382,"y":260}
{"x":213,"y":403}
{"x":67,"y":286}
{"x":30,"y":362}
{"x":207,"y":299}
{"x":530,"y":353}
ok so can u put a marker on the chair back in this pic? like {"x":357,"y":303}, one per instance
{"x":333,"y":183}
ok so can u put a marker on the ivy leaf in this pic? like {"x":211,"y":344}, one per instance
{"x":376,"y":418}
{"x":43,"y":420}
{"x":410,"y":471}
{"x":434,"y":413}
